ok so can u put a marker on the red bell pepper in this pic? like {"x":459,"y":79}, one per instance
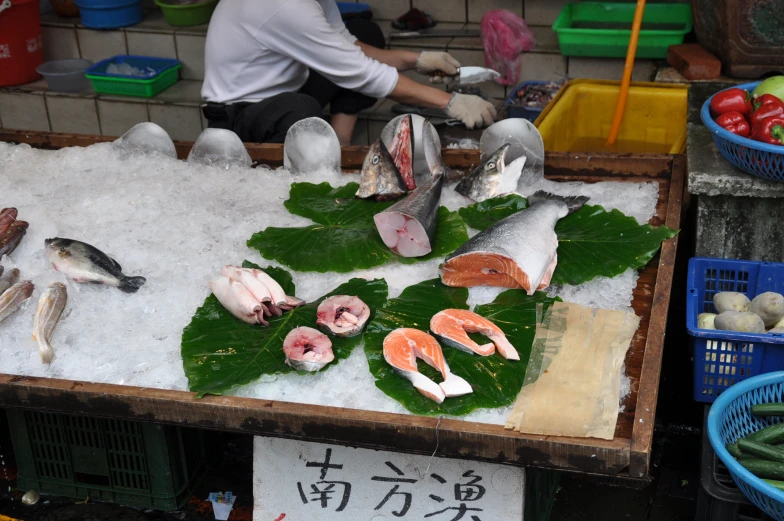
{"x":770,"y":131}
{"x":731,"y":100}
{"x":767,"y":106}
{"x":734,"y":122}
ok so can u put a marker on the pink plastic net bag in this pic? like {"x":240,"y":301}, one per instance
{"x":505,"y":35}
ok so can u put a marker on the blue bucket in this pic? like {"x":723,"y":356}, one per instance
{"x":110,"y":14}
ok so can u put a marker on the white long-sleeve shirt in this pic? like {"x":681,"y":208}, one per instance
{"x":259,"y":48}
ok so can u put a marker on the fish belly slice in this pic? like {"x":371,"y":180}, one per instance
{"x":452,"y":326}
{"x":402,"y":234}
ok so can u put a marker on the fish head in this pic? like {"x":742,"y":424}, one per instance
{"x":379,"y":176}
{"x":494,"y":164}
{"x":57,"y":248}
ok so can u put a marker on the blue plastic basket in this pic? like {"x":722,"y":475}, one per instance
{"x":754,"y":157}
{"x":110,"y":14}
{"x":723,"y":358}
{"x":730,"y":418}
{"x":518,"y":111}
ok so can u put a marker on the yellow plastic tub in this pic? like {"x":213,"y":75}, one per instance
{"x":579,"y":118}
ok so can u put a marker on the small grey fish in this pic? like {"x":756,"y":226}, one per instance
{"x":516,"y":252}
{"x":9,"y":279}
{"x":408,"y":227}
{"x":84,"y":263}
{"x":13,"y":297}
{"x":380,"y":177}
{"x":484,"y":181}
{"x":50,"y":307}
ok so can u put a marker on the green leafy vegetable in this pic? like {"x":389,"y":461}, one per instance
{"x":496,"y":381}
{"x":592,"y":242}
{"x":221,"y":352}
{"x":344,"y":238}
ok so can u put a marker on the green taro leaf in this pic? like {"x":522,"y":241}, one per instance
{"x":496,"y":381}
{"x":592,"y":242}
{"x":221,"y":352}
{"x":481,"y":215}
{"x":344,"y":237}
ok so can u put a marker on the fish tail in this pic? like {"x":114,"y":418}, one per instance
{"x":46,"y":351}
{"x":574,"y":202}
{"x":131,"y":284}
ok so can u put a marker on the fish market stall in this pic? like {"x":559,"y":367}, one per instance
{"x":130,"y":366}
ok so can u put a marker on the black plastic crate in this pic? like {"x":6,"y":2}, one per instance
{"x":125,"y":462}
{"x":719,"y":499}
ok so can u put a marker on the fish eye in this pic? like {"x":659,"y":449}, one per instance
{"x":490,"y":165}
{"x":375,"y":160}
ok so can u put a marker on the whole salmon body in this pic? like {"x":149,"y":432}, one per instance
{"x":516,"y":252}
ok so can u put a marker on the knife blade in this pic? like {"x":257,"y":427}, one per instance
{"x":437,"y":33}
{"x":471,"y":74}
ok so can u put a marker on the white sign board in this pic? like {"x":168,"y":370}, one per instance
{"x":303,"y":481}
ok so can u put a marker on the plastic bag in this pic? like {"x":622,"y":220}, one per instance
{"x":505,"y":35}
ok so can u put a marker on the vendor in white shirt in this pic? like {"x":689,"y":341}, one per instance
{"x":271,"y":63}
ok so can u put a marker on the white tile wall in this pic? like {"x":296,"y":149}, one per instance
{"x":73,"y":115}
{"x":24,"y":111}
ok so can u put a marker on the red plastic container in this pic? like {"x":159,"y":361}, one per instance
{"x":20,"y":41}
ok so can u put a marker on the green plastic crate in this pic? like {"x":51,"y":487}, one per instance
{"x":188,"y":14}
{"x":145,"y":88}
{"x":603,"y":29}
{"x":129,"y":463}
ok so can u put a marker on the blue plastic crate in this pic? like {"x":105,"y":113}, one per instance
{"x":753,"y":157}
{"x":723,"y":358}
{"x":110,"y":14}
{"x":519,"y":111}
{"x":352,"y":8}
{"x":730,"y":418}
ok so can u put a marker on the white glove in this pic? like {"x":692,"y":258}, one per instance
{"x":441,"y":66}
{"x":473,"y":111}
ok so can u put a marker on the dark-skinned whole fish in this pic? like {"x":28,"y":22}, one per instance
{"x":7,"y":216}
{"x":12,"y":237}
{"x":84,"y":263}
{"x":493,"y":177}
{"x":380,"y":178}
{"x":408,"y":227}
{"x":516,"y":252}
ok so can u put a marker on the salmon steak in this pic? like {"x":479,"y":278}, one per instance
{"x":408,"y":227}
{"x":516,"y":252}
{"x":452,"y":326}
{"x":401,"y":349}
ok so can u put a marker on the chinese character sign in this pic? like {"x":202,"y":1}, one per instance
{"x":306,"y":481}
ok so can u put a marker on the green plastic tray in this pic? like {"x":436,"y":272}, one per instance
{"x":186,"y":15}
{"x":603,"y":29}
{"x":131,"y":87}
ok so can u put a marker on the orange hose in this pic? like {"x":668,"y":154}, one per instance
{"x":620,"y":108}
